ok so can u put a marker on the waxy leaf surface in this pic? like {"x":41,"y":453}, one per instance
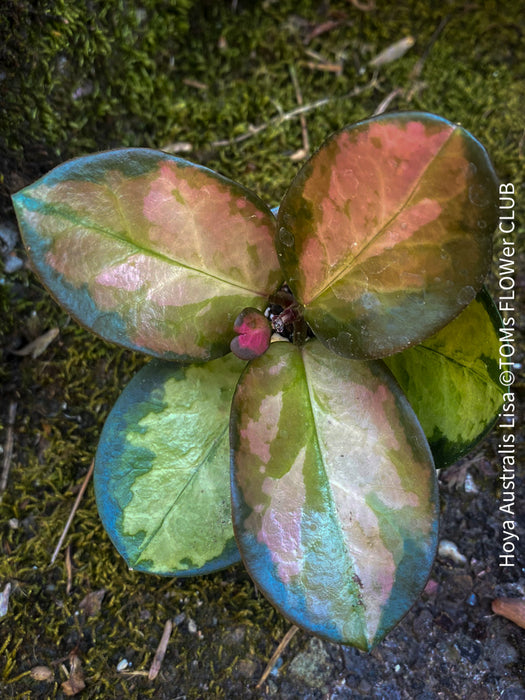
{"x":150,"y":251}
{"x":452,"y":380}
{"x":162,"y":468}
{"x":385,"y":234}
{"x":334,"y":493}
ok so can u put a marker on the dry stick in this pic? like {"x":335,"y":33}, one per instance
{"x":161,"y":651}
{"x":415,"y":72}
{"x":367,"y":6}
{"x":69,"y":569}
{"x":418,"y":67}
{"x":305,"y":150}
{"x":8,"y":447}
{"x":383,"y":106}
{"x":282,"y":646}
{"x":254,"y":130}
{"x":73,"y":511}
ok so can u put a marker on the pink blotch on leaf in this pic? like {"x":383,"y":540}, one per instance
{"x":199,"y":221}
{"x":372,"y":175}
{"x":259,"y":434}
{"x":281,"y":533}
{"x":280,"y":528}
{"x":128,"y":276}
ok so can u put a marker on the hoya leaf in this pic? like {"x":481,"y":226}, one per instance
{"x":452,"y":380}
{"x":334,"y":493}
{"x":385,"y":235}
{"x":254,"y":334}
{"x":150,"y":251}
{"x":162,"y":468}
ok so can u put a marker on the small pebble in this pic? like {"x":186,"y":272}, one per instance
{"x":122,"y":665}
{"x":42,"y":673}
{"x":470,"y":485}
{"x":449,"y":550}
{"x":13,"y":263}
{"x":192,"y":627}
{"x":8,"y":238}
{"x":4,"y":599}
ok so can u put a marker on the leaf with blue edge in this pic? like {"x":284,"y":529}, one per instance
{"x":385,"y":234}
{"x":162,"y":468}
{"x":452,"y":380}
{"x":334,"y":491}
{"x":150,"y":251}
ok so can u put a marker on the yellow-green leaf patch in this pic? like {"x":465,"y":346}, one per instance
{"x":162,"y":468}
{"x":452,"y":380}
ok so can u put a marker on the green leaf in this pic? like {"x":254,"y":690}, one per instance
{"x":334,"y":492}
{"x":162,"y":468}
{"x":385,"y":235}
{"x":150,"y":251}
{"x":452,"y":380}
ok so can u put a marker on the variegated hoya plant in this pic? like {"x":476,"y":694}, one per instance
{"x":313,"y":459}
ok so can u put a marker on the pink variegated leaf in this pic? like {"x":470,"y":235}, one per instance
{"x":150,"y":251}
{"x":334,"y":491}
{"x":385,"y":235}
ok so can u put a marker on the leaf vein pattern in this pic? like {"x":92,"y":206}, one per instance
{"x":133,"y":245}
{"x":347,"y":265}
{"x":213,"y":448}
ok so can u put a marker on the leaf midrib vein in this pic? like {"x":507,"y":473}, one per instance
{"x":78,"y":221}
{"x":334,"y":511}
{"x":213,"y":448}
{"x":347,"y":266}
{"x":471,"y":370}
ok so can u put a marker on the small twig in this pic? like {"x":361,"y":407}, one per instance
{"x":414,"y":74}
{"x":276,"y":654}
{"x":328,"y":67}
{"x":418,"y":66}
{"x":161,"y":651}
{"x":129,"y":674}
{"x":521,"y":143}
{"x":73,"y":511}
{"x":366,"y":6}
{"x":178,"y":147}
{"x":386,"y":102}
{"x":69,"y":569}
{"x":305,"y":150}
{"x":8,"y":447}
{"x":254,"y":130}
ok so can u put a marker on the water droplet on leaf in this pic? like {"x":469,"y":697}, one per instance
{"x":369,"y":301}
{"x":286,"y":237}
{"x":466,"y":295}
{"x":478,"y":195}
{"x":344,"y":339}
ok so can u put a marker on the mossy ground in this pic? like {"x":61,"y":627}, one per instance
{"x":80,"y":77}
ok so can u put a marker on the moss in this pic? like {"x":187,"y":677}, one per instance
{"x":78,"y":77}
